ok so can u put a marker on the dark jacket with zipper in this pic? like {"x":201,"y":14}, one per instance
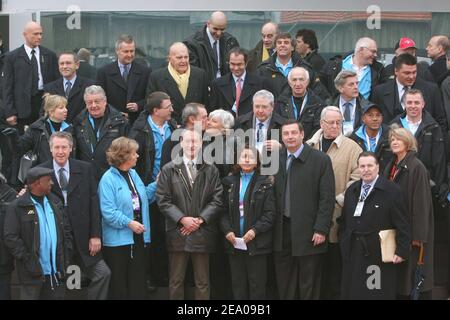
{"x":7,"y":195}
{"x":177,"y":199}
{"x":310,"y":116}
{"x":431,"y":152}
{"x":143,"y":134}
{"x":259,"y":212}
{"x":115,"y":126}
{"x":21,"y":234}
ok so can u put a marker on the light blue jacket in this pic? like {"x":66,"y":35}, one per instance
{"x":117,"y":207}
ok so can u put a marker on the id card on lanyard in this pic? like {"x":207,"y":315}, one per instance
{"x":134,"y":196}
{"x":359,"y":208}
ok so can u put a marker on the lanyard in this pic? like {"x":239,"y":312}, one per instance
{"x":296,"y":113}
{"x":368,"y":144}
{"x":91,"y":120}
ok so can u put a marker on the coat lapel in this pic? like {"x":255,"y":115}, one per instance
{"x":116,"y":77}
{"x":133,"y":80}
{"x":23,"y":55}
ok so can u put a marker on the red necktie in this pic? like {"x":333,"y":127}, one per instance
{"x":238,"y":93}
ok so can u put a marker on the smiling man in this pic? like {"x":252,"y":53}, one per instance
{"x":71,"y":85}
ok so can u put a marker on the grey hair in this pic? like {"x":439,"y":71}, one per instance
{"x":342,"y":76}
{"x":94,"y":90}
{"x":190,"y":110}
{"x":225,"y":117}
{"x":362,"y":43}
{"x":124,"y":38}
{"x":62,"y":135}
{"x":298,"y":68}
{"x":327,"y":109}
{"x":266,"y":95}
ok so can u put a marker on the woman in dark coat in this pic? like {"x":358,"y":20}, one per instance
{"x":248,"y":217}
{"x":414,"y":181}
{"x":364,"y":274}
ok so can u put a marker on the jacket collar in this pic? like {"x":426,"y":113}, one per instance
{"x":315,"y":140}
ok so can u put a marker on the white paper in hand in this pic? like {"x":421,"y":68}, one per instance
{"x":240,"y":244}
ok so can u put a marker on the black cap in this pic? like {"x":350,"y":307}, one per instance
{"x":369,"y":105}
{"x":36,"y":172}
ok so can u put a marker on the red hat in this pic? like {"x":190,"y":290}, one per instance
{"x":406,"y":43}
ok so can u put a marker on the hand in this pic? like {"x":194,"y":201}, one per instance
{"x":95,"y":245}
{"x":249,"y":236}
{"x":231,"y":238}
{"x":132,"y":107}
{"x":272,"y":145}
{"x":10,"y":132}
{"x":190,"y":224}
{"x":318,"y":239}
{"x":397,"y":259}
{"x":12,"y":120}
{"x":416,"y":243}
{"x":137,"y":227}
{"x":125,"y":114}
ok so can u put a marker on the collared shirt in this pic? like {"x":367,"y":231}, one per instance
{"x":410,"y":125}
{"x":66,"y":171}
{"x":296,"y":154}
{"x":37,"y":53}
{"x":242,"y":78}
{"x":372,"y":184}
{"x":364,"y":76}
{"x":284,"y":68}
{"x":401,"y":91}
{"x":122,"y":67}
{"x":186,"y":162}
{"x":211,"y":41}
{"x":160,"y":134}
{"x":263,"y":134}
{"x":348,"y":126}
{"x":72,"y":82}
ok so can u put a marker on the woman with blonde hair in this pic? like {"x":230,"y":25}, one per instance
{"x":411,"y":175}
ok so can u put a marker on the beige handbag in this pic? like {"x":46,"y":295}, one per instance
{"x":388,"y":245}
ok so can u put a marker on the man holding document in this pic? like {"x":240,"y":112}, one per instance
{"x":247,"y":221}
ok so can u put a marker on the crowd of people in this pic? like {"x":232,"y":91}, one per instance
{"x":267,"y":174}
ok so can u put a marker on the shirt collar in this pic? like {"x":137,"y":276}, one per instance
{"x":279,"y":65}
{"x":372,"y":183}
{"x":186,"y":160}
{"x":29,"y":49}
{"x":56,"y":167}
{"x":155,"y":127}
{"x":242,"y":77}
{"x":211,"y":38}
{"x":355,"y":67}
{"x":121,"y":66}
{"x":298,"y":152}
{"x":72,"y":81}
{"x":399,"y":85}
{"x":266,"y":123}
{"x":342,"y":101}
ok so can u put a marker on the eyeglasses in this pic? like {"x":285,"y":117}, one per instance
{"x":167,"y":107}
{"x":374,"y":51}
{"x":330,"y":123}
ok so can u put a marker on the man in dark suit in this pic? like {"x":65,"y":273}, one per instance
{"x":305,"y":195}
{"x":436,"y":50}
{"x":388,"y":96}
{"x":182,"y":82}
{"x":349,"y":100}
{"x":307,"y":47}
{"x":234,"y":91}
{"x":71,"y":85}
{"x":264,"y":48}
{"x":125,"y":80}
{"x":86,"y":70}
{"x":300,"y":103}
{"x":209,"y":47}
{"x":263,"y":121}
{"x":25,"y":72}
{"x":75,"y":185}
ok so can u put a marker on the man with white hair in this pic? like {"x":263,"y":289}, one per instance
{"x":301,"y":103}
{"x":436,"y":50}
{"x":25,"y":72}
{"x":209,"y":47}
{"x":344,"y":154}
{"x":362,"y":61}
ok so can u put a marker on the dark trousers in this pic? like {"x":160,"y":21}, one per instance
{"x":297,"y":277}
{"x":178,"y":262}
{"x":220,"y":275}
{"x":158,"y":256}
{"x":248,"y":276}
{"x":5,"y":286}
{"x":332,"y":273}
{"x":127,"y":265}
{"x":36,"y":103}
{"x":50,"y":289}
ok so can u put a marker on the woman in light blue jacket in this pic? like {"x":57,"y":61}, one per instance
{"x":124,"y":203}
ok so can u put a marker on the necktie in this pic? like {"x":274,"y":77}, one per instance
{"x":289,"y":162}
{"x":34,"y":73}
{"x":347,"y":115}
{"x":216,"y":56}
{"x":192,"y":171}
{"x":125,"y":72}
{"x":287,"y":191}
{"x":62,"y":180}
{"x":238,"y":92}
{"x":259,"y":133}
{"x":365,"y":192}
{"x":405,"y":88}
{"x":68,"y":88}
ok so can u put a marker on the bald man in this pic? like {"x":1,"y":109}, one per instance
{"x":264,"y":48}
{"x":436,"y":50}
{"x":209,"y":47}
{"x":183,"y":82}
{"x":26,"y":70}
